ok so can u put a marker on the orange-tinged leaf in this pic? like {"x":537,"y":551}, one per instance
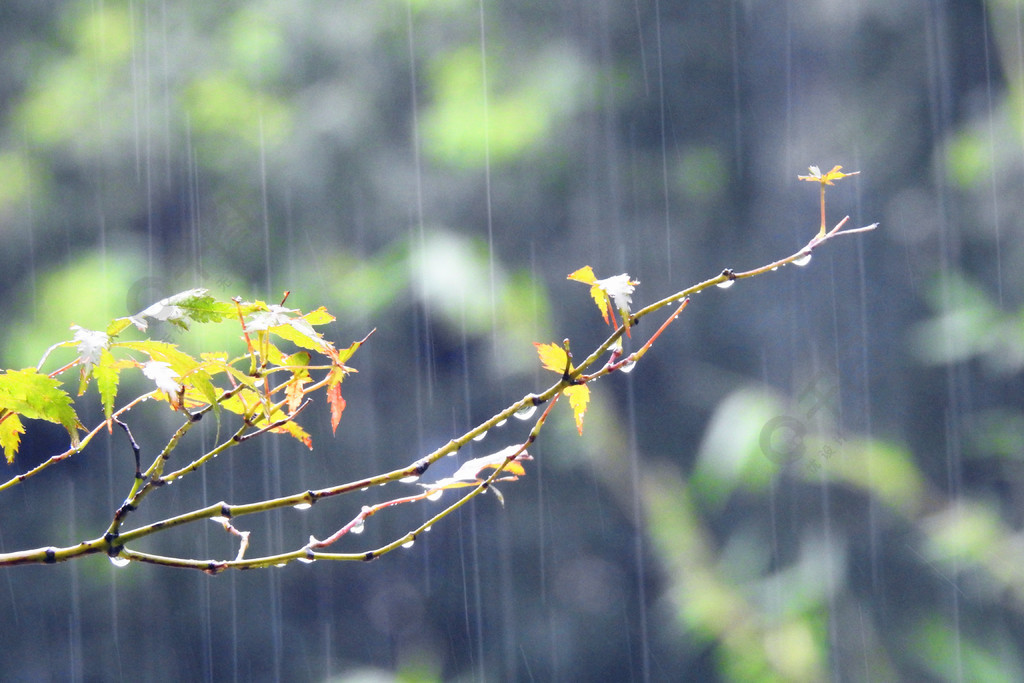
{"x":579,"y":397}
{"x":296,"y":432}
{"x":553,"y":357}
{"x":294,"y":392}
{"x":337,"y":404}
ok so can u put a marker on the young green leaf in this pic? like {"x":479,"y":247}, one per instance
{"x":38,"y":397}
{"x":191,"y":305}
{"x":107,"y":373}
{"x":11,"y":430}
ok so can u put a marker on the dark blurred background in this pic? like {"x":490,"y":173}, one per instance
{"x":815,"y":474}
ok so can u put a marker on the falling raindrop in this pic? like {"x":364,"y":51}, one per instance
{"x":119,"y":561}
{"x":803,"y":260}
{"x":526,"y":413}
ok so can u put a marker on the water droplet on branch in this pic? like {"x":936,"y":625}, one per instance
{"x":803,"y":260}
{"x":525,"y":413}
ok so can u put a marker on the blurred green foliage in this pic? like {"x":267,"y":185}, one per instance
{"x":383,"y":160}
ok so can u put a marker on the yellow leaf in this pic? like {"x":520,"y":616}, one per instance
{"x":10,"y":435}
{"x":584,"y":275}
{"x":553,"y":358}
{"x":816,"y":176}
{"x":617,"y":288}
{"x":604,"y":304}
{"x":579,"y":397}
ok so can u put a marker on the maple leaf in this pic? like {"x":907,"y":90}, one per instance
{"x":11,"y":430}
{"x":337,"y":403}
{"x":163,"y":376}
{"x":91,"y":344}
{"x":294,"y":392}
{"x":193,"y":304}
{"x":579,"y":397}
{"x":610,"y":294}
{"x":816,"y":176}
{"x":107,"y":374}
{"x":469,"y":473}
{"x":27,"y":393}
{"x":298,"y":329}
{"x":553,"y":358}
